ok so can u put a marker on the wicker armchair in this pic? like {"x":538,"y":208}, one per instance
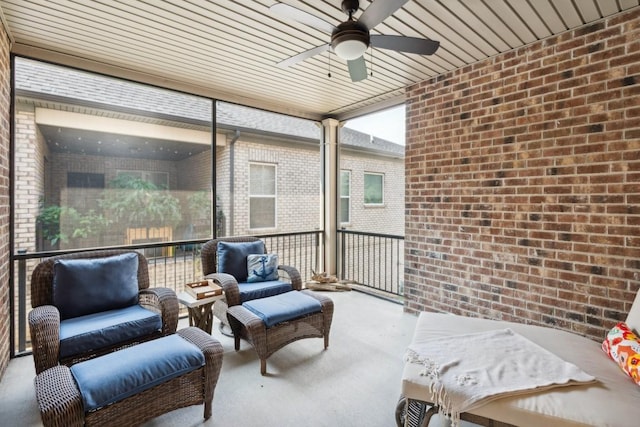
{"x":209,"y":257}
{"x":45,"y":319}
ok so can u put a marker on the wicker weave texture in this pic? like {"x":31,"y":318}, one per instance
{"x":416,"y":413}
{"x":58,"y":398}
{"x":209,"y":258}
{"x":61,"y":405}
{"x":267,"y":341}
{"x":44,"y":319}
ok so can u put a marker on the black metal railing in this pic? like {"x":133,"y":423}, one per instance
{"x":372,"y":260}
{"x":171,"y":265}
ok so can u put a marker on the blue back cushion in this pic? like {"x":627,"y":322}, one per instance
{"x":232,"y":257}
{"x":261,"y":268}
{"x":121,"y":374}
{"x":87,"y":286}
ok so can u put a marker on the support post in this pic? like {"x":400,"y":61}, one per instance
{"x":330,"y":161}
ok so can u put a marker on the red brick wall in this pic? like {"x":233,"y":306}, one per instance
{"x":5,"y":119}
{"x":523,"y":183}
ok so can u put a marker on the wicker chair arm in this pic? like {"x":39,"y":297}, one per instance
{"x":294,"y":276}
{"x":240,"y":317}
{"x":59,"y":398}
{"x":165,"y":302}
{"x":229,"y":286}
{"x":44,"y":327}
{"x":212,"y":351}
{"x":210,"y":347}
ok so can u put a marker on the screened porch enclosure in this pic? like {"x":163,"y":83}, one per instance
{"x":98,"y":169}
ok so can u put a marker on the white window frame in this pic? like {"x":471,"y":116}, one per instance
{"x":274,"y":195}
{"x":381,"y":203}
{"x":347,"y":197}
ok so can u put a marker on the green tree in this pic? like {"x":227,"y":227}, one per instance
{"x":61,"y":224}
{"x":139,"y":203}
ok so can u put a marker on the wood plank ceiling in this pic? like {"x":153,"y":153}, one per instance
{"x":229,"y":48}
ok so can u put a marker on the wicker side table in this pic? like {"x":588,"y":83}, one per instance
{"x":200,"y":310}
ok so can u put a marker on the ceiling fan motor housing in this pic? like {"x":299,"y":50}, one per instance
{"x":350,"y":31}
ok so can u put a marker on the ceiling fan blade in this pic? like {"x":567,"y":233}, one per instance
{"x":378,"y":11}
{"x":302,"y":56}
{"x":357,"y":69}
{"x":301,"y":16}
{"x":405,"y":44}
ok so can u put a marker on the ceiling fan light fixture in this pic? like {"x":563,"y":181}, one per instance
{"x":350,"y":49}
{"x":350,"y":40}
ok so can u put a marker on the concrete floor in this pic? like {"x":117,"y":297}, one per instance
{"x":356,"y":382}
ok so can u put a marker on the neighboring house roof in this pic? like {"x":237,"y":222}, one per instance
{"x":360,"y":140}
{"x":40,"y":80}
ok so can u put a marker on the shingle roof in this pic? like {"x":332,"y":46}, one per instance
{"x":52,"y":82}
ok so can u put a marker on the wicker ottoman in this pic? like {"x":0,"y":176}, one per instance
{"x":62,"y":403}
{"x":282,"y":326}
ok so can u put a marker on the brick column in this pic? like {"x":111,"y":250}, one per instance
{"x":5,"y":121}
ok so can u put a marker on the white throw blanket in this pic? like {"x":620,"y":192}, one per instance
{"x":467,"y":371}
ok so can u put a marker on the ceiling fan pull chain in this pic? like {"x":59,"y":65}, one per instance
{"x":329,"y":73}
{"x":371,"y":60}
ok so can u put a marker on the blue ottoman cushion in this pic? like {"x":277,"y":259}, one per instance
{"x":283,"y":307}
{"x":99,"y":330}
{"x":251,"y":291}
{"x":121,"y":374}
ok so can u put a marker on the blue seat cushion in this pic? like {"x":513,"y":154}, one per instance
{"x":232,"y":257}
{"x":92,"y":285}
{"x":93,"y":331}
{"x":121,"y":374}
{"x":251,"y":291}
{"x":283,"y":307}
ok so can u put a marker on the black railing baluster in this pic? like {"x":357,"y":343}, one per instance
{"x":357,"y":259}
{"x":22,"y":303}
{"x":383,"y":283}
{"x":389,"y":249}
{"x":360,"y":251}
{"x":365,"y":248}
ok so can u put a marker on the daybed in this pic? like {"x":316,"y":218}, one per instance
{"x":612,"y":400}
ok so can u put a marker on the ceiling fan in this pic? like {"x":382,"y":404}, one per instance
{"x":350,"y":39}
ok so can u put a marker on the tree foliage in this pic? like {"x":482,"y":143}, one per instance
{"x":139,"y":203}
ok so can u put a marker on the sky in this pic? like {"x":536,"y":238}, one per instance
{"x":387,"y":124}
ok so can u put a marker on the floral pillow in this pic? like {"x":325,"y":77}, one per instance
{"x":623,"y":346}
{"x":262,"y":267}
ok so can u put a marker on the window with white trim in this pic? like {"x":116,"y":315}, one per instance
{"x":373,"y":188}
{"x":345,"y":196}
{"x":262,"y":195}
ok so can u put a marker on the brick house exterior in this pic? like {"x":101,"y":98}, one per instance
{"x":243,"y":136}
{"x":373,"y":218}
